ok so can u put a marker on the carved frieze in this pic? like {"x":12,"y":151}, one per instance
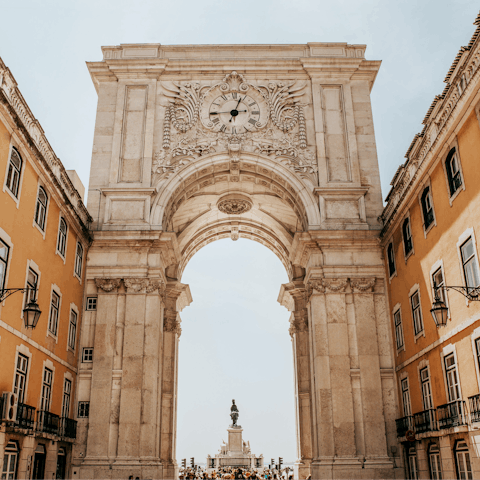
{"x":234,"y":206}
{"x":362,"y":285}
{"x":135,"y":285}
{"x":335,"y":285}
{"x":108,"y":284}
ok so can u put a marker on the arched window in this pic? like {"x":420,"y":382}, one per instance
{"x":412,"y":463}
{"x":391,"y":259}
{"x":427,"y":207}
{"x":62,"y":237}
{"x":10,"y":461}
{"x":452,"y":167}
{"x":407,"y":236}
{"x":14,"y":172}
{"x":462,"y":457}
{"x":434,"y":462}
{"x":41,"y":208}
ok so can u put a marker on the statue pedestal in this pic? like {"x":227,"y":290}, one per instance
{"x":235,"y":443}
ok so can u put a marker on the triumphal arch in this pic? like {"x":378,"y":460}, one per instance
{"x":273,"y":143}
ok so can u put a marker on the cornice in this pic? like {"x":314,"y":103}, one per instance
{"x":29,"y":127}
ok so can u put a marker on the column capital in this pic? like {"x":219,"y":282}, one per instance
{"x":108,"y":284}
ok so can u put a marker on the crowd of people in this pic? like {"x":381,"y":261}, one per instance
{"x":233,"y":473}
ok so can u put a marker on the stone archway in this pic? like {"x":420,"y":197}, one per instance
{"x":303,"y":181}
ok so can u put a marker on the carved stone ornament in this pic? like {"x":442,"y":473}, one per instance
{"x":155,"y":285}
{"x":298,"y":322}
{"x":336,"y":285}
{"x":108,"y":284}
{"x":172,"y":325}
{"x":135,"y":285}
{"x":362,"y":285}
{"x":234,"y":204}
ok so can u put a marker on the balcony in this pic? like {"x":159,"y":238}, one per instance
{"x":68,"y":428}
{"x":474,"y":404}
{"x":425,"y":421}
{"x":47,"y":422}
{"x":451,"y":414}
{"x":403,"y":425}
{"x":25,"y":416}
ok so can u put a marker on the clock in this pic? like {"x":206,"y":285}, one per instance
{"x":234,"y":112}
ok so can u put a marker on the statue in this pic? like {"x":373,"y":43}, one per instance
{"x":234,"y":414}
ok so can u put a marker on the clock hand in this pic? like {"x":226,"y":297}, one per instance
{"x":218,"y":113}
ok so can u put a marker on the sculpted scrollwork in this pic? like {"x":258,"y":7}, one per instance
{"x":362,"y":285}
{"x":108,"y":284}
{"x":335,"y":285}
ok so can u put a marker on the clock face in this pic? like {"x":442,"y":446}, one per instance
{"x":234,"y":113}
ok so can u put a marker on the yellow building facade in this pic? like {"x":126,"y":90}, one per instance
{"x":44,"y":239}
{"x":430,"y":236}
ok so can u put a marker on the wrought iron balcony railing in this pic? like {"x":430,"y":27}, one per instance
{"x":403,"y":425}
{"x":451,"y":414}
{"x":425,"y":421}
{"x":47,"y":422}
{"x":68,"y":427}
{"x":25,"y":416}
{"x":474,"y":404}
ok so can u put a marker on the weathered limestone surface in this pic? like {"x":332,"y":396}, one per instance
{"x":295,"y":171}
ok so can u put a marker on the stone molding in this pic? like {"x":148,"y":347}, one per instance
{"x":108,"y":284}
{"x":339,"y":285}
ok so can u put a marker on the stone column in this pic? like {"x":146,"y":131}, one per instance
{"x":171,"y":334}
{"x":101,"y":385}
{"x":299,"y":331}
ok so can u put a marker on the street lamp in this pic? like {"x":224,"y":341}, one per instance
{"x":31,"y":312}
{"x":439,"y":310}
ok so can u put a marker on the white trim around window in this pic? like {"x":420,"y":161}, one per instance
{"x":65,"y":239}
{"x":55,"y":289}
{"x":394,"y":274}
{"x":35,"y":225}
{"x":405,"y":394}
{"x":22,"y":350}
{"x":5,"y":237}
{"x":416,"y":289}
{"x":46,"y":364}
{"x":31,"y":265}
{"x":16,"y":199}
{"x":461,"y":240}
{"x":451,"y":198}
{"x":435,"y":267}
{"x":79,"y":278}
{"x":73,"y":308}
{"x":422,"y":365}
{"x":397,"y":310}
{"x":428,"y":185}
{"x":476,"y":359}
{"x":412,"y":251}
{"x":445,"y":352}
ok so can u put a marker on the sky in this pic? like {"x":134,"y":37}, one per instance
{"x":45,"y":43}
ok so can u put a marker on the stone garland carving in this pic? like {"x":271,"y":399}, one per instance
{"x":185,"y":139}
{"x":298,"y":322}
{"x":362,"y":285}
{"x":336,"y":285}
{"x":171,"y":324}
{"x":135,"y":284}
{"x":108,"y":284}
{"x":332,"y":285}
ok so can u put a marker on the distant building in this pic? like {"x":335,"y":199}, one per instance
{"x":431,"y":224}
{"x":44,"y":239}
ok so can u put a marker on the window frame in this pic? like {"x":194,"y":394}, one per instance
{"x":84,"y":354}
{"x":58,"y":251}
{"x":446,"y":157}
{"x":387,"y":251}
{"x":75,"y":264}
{"x":22,"y":397}
{"x":45,"y":387}
{"x":66,"y":395}
{"x":4,"y":263}
{"x":473,"y":260}
{"x":427,"y":405}
{"x":88,"y":304}
{"x":405,"y":393}
{"x":35,"y":224}
{"x":415,"y":290}
{"x":447,"y":377}
{"x":463,"y":451}
{"x":15,"y":198}
{"x":434,"y":451}
{"x":54,"y":292}
{"x":9,"y":452}
{"x":406,"y":254}
{"x":462,"y":239}
{"x":73,"y":310}
{"x":438,"y":265}
{"x":398,"y":327}
{"x":413,"y":472}
{"x":85,"y":409}
{"x":423,"y":207}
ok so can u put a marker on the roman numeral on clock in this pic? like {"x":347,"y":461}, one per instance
{"x":224,"y":97}
{"x":215,"y":120}
{"x":256,"y":112}
{"x":234,"y":129}
{"x":251,"y":104}
{"x":234,"y":95}
{"x":223,"y":128}
{"x":252,"y":121}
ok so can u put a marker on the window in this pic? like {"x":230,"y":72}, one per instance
{"x":46,"y":390}
{"x":426,"y":389}
{"x":470,"y":267}
{"x":54,"y":311}
{"x":397,"y":316}
{"x":41,"y":208}
{"x":406,"y":398}
{"x":412,"y":463}
{"x":87,"y":354}
{"x":438,"y":283}
{"x":32,"y":280}
{"x":416,"y":313}
{"x":10,"y":461}
{"x":91,"y":303}
{"x":462,"y":456}
{"x":4,"y":250}
{"x":21,"y":370}
{"x":62,"y":237}
{"x":434,"y":461}
{"x":453,"y":385}
{"x":427,"y":208}
{"x":83,"y":409}
{"x":67,"y":391}
{"x":407,"y":237}
{"x":452,"y":167}
{"x":14,"y":172}
{"x":391,"y":259}
{"x":79,"y":260}
{"x":477,"y":348}
{"x":72,"y":330}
